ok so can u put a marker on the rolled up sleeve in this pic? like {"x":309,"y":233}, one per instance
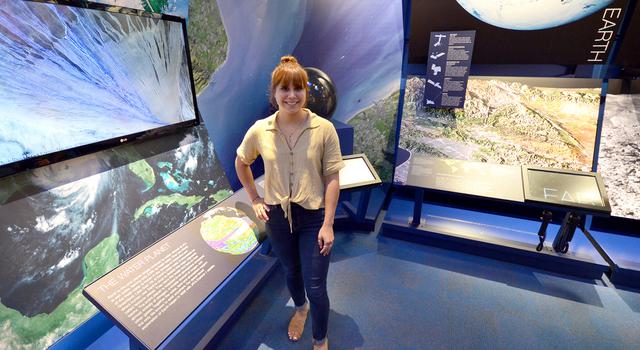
{"x":332,"y":158}
{"x":248,"y":151}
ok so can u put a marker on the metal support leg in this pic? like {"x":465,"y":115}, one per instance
{"x":363,"y":204}
{"x":417,"y":207}
{"x":566,"y":231}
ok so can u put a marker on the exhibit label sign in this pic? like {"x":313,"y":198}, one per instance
{"x":358,"y":172}
{"x":151,"y":294}
{"x":448,"y":64}
{"x":574,"y":189}
{"x":472,"y":178}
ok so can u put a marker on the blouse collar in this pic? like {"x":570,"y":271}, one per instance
{"x":309,"y":123}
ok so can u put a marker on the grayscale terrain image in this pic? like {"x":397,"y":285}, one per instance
{"x":619,"y":158}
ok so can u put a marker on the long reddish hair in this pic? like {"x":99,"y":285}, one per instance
{"x":288,"y":71}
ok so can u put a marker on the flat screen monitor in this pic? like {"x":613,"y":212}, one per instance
{"x":74,"y":80}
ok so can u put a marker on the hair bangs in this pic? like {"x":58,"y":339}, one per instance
{"x":295,"y":76}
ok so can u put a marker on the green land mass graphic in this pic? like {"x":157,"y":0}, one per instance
{"x":149,"y":208}
{"x":40,"y":331}
{"x":157,"y":6}
{"x":220,"y":196}
{"x":145,"y":172}
{"x":207,"y":41}
{"x":375,"y":133}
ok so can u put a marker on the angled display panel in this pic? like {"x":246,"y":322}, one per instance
{"x":571,"y":189}
{"x":66,"y":224}
{"x":545,"y":122}
{"x":358,"y":172}
{"x":151,"y":294}
{"x":473,"y":178}
{"x":75,"y":80}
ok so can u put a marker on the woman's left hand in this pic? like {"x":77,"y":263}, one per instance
{"x":325,"y":239}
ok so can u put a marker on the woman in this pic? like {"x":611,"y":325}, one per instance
{"x":301,"y":155}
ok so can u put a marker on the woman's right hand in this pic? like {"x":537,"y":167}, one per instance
{"x":260,"y":208}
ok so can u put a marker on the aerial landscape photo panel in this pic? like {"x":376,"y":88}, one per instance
{"x":511,"y":121}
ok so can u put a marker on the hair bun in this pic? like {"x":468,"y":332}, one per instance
{"x":288,"y":59}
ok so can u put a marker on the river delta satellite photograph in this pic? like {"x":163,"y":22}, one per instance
{"x":504,"y":121}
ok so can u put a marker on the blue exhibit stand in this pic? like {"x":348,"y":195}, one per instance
{"x":362,"y":208}
{"x":358,"y":209}
{"x":199,"y":328}
{"x":491,"y":235}
{"x":624,"y":252}
{"x":209,"y":311}
{"x":345,"y":135}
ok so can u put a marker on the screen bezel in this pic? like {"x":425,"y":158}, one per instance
{"x":74,"y":152}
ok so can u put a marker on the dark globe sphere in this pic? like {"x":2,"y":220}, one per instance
{"x":322,"y":98}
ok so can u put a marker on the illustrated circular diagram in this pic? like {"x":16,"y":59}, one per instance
{"x":229,"y":230}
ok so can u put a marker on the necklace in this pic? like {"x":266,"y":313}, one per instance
{"x":289,"y":135}
{"x":290,"y":131}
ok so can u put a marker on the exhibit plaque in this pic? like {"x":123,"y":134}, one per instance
{"x":574,"y":189}
{"x":473,"y":178}
{"x":152,"y":293}
{"x":448,"y":64}
{"x":357,"y":172}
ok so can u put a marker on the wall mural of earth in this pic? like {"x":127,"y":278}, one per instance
{"x":532,"y":14}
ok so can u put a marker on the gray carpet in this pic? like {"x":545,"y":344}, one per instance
{"x":389,"y":294}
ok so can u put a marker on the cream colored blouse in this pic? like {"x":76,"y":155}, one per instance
{"x":293,"y":175}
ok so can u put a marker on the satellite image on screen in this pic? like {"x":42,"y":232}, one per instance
{"x":76,"y":76}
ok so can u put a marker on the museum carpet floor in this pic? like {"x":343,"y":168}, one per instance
{"x":390,"y":294}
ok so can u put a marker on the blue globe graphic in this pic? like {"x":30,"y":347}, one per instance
{"x":531,"y":14}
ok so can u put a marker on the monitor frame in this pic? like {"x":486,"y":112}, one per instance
{"x":74,"y":152}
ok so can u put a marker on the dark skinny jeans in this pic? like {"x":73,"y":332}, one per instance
{"x":299,"y":253}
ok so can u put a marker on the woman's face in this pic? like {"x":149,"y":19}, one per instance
{"x":290,"y":99}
